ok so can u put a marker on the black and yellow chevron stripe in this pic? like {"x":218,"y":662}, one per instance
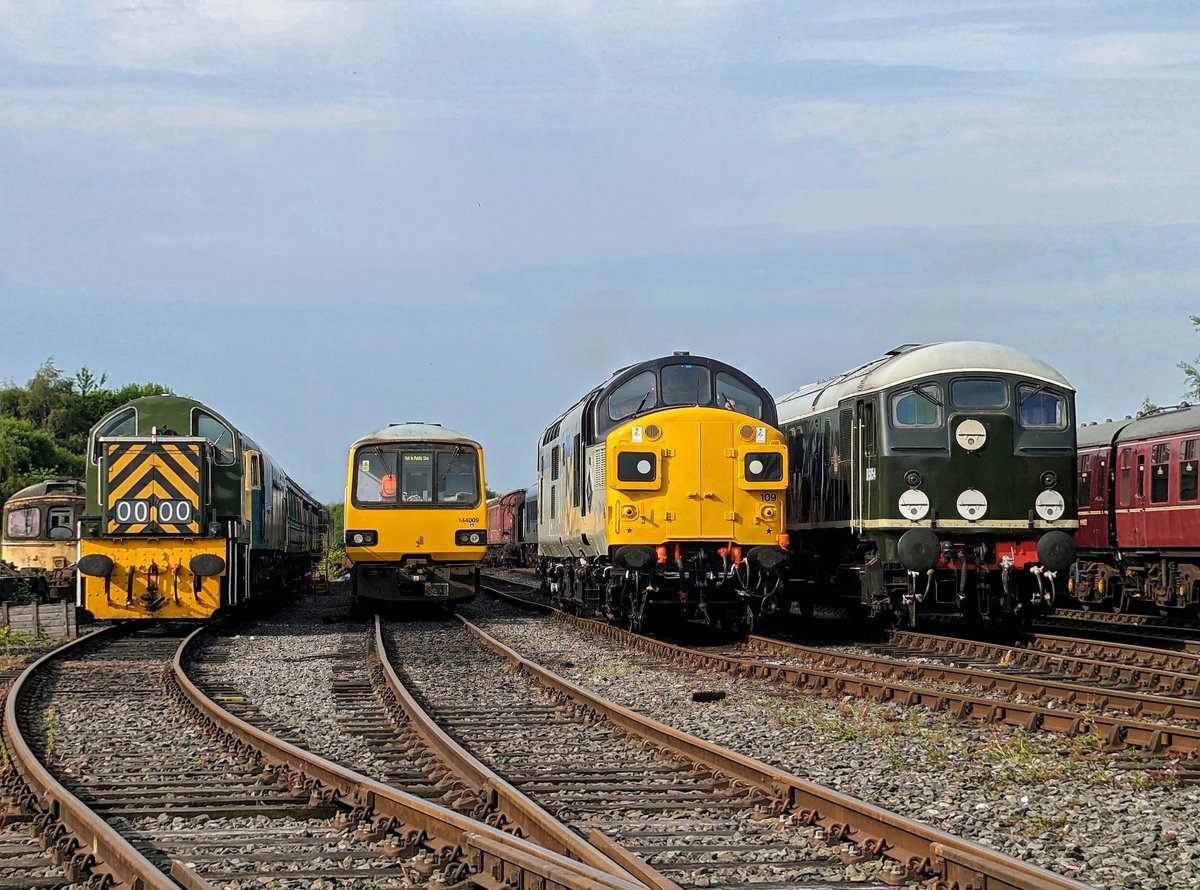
{"x":144,"y":474}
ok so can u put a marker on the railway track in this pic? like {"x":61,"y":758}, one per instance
{"x":1045,"y":689}
{"x":134,"y":777}
{"x":562,"y":782}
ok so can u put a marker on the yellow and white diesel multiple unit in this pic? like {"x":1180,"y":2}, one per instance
{"x":416,"y":518}
{"x":661,"y":497}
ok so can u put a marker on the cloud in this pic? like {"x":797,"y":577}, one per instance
{"x":187,"y":35}
{"x":240,"y":117}
{"x":1132,"y":52}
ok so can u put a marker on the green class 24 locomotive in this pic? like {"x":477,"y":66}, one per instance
{"x":935,"y":478}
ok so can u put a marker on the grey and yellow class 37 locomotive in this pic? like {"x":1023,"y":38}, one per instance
{"x":661,"y":497}
{"x":934,"y":478}
{"x":187,"y":515}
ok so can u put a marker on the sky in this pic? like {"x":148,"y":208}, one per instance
{"x":322,"y":217}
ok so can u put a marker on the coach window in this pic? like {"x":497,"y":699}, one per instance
{"x":1160,"y":474}
{"x":1041,"y":409}
{"x":919,"y":406}
{"x":58,"y":523}
{"x":634,"y":395}
{"x":219,"y":436}
{"x":458,"y":477}
{"x":1187,"y":471}
{"x":735,"y":395}
{"x":375,"y":475}
{"x":686,"y":385}
{"x":24,"y":522}
{"x":1141,"y":476}
{"x":979,"y":392}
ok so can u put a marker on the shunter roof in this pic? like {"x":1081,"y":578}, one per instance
{"x":916,"y":362}
{"x":415,"y":431}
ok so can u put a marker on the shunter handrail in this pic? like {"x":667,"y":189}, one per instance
{"x":100,"y":847}
{"x":904,"y":839}
{"x":490,"y":849}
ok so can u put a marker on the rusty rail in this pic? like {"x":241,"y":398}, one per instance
{"x":87,"y":844}
{"x":1134,"y":703}
{"x":487,"y":849}
{"x":1144,"y":656}
{"x":911,"y":845}
{"x":512,"y":804}
{"x":1078,"y":667}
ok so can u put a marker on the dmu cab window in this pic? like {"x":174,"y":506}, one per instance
{"x":686,"y":385}
{"x":416,"y":476}
{"x":1038,"y":408}
{"x":634,"y":395}
{"x":735,"y":395}
{"x":979,"y":392}
{"x":24,"y":522}
{"x":919,"y":406}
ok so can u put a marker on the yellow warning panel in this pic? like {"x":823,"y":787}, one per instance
{"x":152,"y":578}
{"x":152,"y":488}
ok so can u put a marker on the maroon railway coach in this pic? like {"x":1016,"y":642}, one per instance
{"x":510,"y":520}
{"x":1139,"y":512}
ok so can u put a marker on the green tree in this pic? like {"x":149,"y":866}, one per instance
{"x":44,"y":424}
{"x":335,"y":547}
{"x":1191,"y":371}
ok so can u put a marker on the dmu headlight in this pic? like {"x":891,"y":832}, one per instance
{"x":470,"y":537}
{"x":637,"y":466}
{"x":361,"y":538}
{"x":763,"y":466}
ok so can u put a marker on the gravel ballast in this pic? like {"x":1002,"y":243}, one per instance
{"x":1058,"y":802}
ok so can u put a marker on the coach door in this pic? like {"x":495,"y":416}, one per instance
{"x":1131,"y":495}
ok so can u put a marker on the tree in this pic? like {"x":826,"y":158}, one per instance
{"x":1148,"y":407}
{"x":335,"y":547}
{"x":1191,"y":371}
{"x":44,"y":424}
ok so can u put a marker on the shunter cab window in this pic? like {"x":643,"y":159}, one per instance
{"x":634,"y":395}
{"x":686,"y":385}
{"x":1041,"y":409}
{"x":218,"y":434}
{"x":23,"y":522}
{"x":735,"y":395}
{"x":123,"y":424}
{"x":417,"y":476}
{"x":979,"y":392}
{"x":918,"y":406}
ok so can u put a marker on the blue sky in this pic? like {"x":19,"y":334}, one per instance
{"x":320,"y":217}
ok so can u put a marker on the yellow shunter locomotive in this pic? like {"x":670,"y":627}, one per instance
{"x":416,"y":518}
{"x":661,"y":497}
{"x":187,"y":515}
